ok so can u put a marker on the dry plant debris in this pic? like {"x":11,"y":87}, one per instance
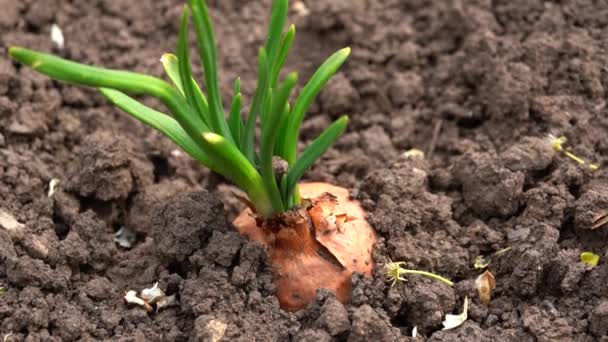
{"x":454,"y":321}
{"x":557,"y":145}
{"x":486,"y":283}
{"x":482,"y":262}
{"x":149,"y":297}
{"x":600,"y":220}
{"x":395,"y":272}
{"x":125,"y":237}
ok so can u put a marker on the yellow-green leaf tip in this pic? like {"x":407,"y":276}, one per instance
{"x":13,"y":51}
{"x":212,"y":138}
{"x":292,"y":77}
{"x":166,"y":58}
{"x":25,"y":56}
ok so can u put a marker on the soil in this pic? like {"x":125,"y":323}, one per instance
{"x":476,"y":85}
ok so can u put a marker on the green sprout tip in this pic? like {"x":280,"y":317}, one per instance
{"x":395,"y":272}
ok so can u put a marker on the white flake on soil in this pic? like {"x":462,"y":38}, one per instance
{"x":153,"y":294}
{"x":8,"y":222}
{"x":131,"y":298}
{"x":57,"y":37}
{"x":53,"y":186}
{"x":453,"y":321}
{"x":300,"y":9}
{"x":124,"y":237}
{"x":217,"y":329}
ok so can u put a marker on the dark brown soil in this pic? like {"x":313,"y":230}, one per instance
{"x":475,"y":84}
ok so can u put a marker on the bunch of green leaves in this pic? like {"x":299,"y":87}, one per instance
{"x":198,"y":122}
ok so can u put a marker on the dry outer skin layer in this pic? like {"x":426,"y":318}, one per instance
{"x":342,"y":244}
{"x":488,"y":79}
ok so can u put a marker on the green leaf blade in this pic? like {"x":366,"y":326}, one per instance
{"x":278,"y":17}
{"x":306,"y":97}
{"x":237,"y":85}
{"x":125,"y":81}
{"x":234,"y":119}
{"x":191,"y":91}
{"x":171,"y":67}
{"x":157,"y":120}
{"x":274,"y":119}
{"x":81,"y":74}
{"x":282,"y":54}
{"x":208,"y":53}
{"x":170,"y":64}
{"x":314,"y":151}
{"x":259,"y":98}
{"x":232,"y":164}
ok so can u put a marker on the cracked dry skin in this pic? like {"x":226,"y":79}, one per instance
{"x":314,"y":247}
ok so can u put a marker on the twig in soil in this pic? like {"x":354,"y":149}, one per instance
{"x":7,"y":336}
{"x":395,"y":272}
{"x":557,"y":145}
{"x":433,"y":144}
{"x":600,"y":220}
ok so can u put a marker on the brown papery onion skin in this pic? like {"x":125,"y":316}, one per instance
{"x":316,"y":246}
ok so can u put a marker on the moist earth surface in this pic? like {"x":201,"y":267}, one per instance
{"x":476,"y":85}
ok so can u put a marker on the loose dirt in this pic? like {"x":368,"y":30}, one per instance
{"x":477,"y":85}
